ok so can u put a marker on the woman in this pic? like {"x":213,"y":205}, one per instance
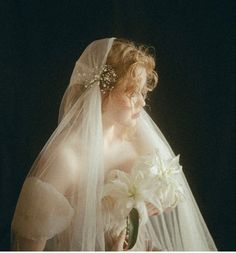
{"x":102,"y":128}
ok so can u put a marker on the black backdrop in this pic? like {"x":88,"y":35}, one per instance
{"x":193,"y":105}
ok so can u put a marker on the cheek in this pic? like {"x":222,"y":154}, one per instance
{"x":123,"y":109}
{"x":124,"y":103}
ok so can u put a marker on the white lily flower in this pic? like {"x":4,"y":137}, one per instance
{"x":151,"y":180}
{"x":130,"y":191}
{"x":169,"y":190}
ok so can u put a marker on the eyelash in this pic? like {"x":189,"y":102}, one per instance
{"x":133,"y":94}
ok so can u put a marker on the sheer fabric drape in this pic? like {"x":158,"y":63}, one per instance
{"x":60,"y":200}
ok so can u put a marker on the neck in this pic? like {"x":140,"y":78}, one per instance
{"x":112,"y":131}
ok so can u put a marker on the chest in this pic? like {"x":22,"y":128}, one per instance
{"x":121,"y":156}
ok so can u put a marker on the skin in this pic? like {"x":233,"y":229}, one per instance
{"x":121,"y":111}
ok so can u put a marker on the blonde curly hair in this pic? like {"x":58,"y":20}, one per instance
{"x":125,"y":57}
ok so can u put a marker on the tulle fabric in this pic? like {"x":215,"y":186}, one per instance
{"x":61,"y":197}
{"x":182,"y":229}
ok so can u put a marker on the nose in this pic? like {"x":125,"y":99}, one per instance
{"x":141,"y":100}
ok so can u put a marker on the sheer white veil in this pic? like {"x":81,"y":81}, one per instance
{"x":60,"y":200}
{"x":182,"y":229}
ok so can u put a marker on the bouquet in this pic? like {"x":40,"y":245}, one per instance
{"x":151,"y":180}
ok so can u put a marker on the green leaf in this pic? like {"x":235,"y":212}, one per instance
{"x":132,"y":227}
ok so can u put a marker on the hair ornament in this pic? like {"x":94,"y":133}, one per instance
{"x":105,"y":79}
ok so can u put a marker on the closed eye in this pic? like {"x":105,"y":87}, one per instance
{"x":143,"y":93}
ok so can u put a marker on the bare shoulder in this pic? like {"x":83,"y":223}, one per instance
{"x":63,"y":169}
{"x":141,"y":145}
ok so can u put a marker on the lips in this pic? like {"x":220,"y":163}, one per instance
{"x":136,"y":115}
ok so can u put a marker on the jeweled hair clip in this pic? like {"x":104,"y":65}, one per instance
{"x":106,"y":79}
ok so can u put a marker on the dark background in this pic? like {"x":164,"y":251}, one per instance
{"x":194,"y":104}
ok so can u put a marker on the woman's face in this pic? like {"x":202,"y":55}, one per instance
{"x":124,"y":108}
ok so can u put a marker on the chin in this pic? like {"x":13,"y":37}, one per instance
{"x":128,"y":122}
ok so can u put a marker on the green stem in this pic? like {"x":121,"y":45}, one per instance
{"x":132,"y":226}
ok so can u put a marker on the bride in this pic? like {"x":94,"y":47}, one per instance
{"x":102,"y":128}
